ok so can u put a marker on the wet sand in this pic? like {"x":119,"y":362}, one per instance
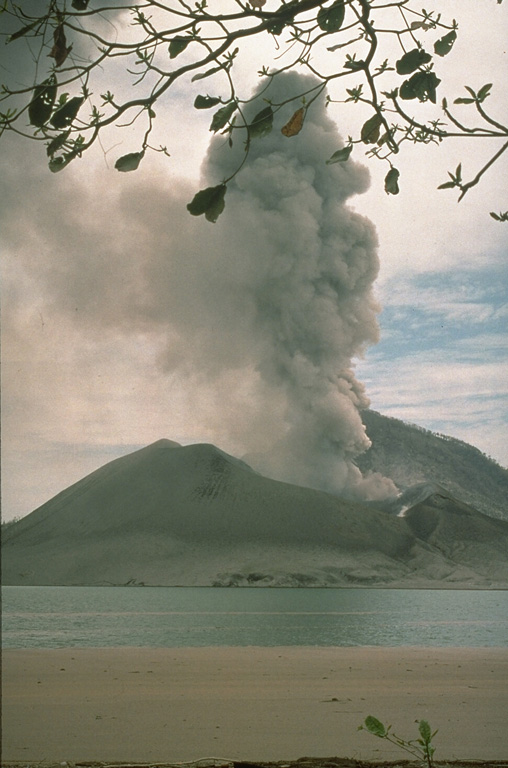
{"x":172,"y":705}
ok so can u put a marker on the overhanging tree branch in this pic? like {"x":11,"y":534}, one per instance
{"x":71,"y":44}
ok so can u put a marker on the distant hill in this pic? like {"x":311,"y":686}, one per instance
{"x":411,"y":455}
{"x":193,"y":515}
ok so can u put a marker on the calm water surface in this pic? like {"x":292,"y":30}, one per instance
{"x":59,"y":617}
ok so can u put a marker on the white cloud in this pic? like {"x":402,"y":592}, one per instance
{"x":442,"y":359}
{"x":453,"y":390}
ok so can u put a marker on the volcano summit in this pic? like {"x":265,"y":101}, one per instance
{"x":193,"y":515}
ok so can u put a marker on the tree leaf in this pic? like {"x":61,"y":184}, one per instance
{"x":129,"y":162}
{"x":209,"y":201}
{"x":464,"y":101}
{"x":43,"y":99}
{"x":294,"y":124}
{"x":484,"y":92}
{"x":59,"y":51}
{"x":331,"y":19}
{"x":284,"y":16}
{"x":371,"y":129}
{"x":276,"y":27}
{"x":177,"y":46}
{"x":221,"y":117}
{"x":202,"y":75}
{"x":341,"y":155}
{"x":261,"y":124}
{"x":21,"y":32}
{"x":387,"y":136}
{"x":205,"y":102}
{"x":445,"y":44}
{"x":447,"y":185}
{"x":56,"y":143}
{"x":373,"y":725}
{"x":412,"y":60}
{"x":80,"y":5}
{"x":407,"y":90}
{"x":57,"y":164}
{"x":391,"y":182}
{"x":421,"y":86}
{"x":65,"y":114}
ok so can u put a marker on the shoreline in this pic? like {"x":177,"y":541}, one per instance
{"x":422,"y":587}
{"x":164,"y":705}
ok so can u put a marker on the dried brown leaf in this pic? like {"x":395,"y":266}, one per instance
{"x":294,"y":124}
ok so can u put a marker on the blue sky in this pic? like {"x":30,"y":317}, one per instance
{"x":442,"y":358}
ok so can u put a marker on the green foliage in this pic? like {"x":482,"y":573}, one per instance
{"x":222,"y":116}
{"x":331,"y":19}
{"x":205,"y":102}
{"x":421,"y":86}
{"x":499,"y":216}
{"x":335,"y":40}
{"x":64,"y":115}
{"x":421,"y":748}
{"x":178,"y":45}
{"x":58,"y":163}
{"x":456,"y":179}
{"x":284,"y":16}
{"x":208,"y":202}
{"x":412,"y":60}
{"x":371,"y":129}
{"x":57,"y":143}
{"x":476,"y":98}
{"x":43,"y":99}
{"x":22,"y":32}
{"x":392,"y":182}
{"x":375,"y":726}
{"x":464,"y":470}
{"x":341,"y":155}
{"x":261,"y":124}
{"x":129,"y":162}
{"x":208,"y":73}
{"x":443,"y":46}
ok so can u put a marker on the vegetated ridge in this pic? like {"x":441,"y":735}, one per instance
{"x":411,"y":455}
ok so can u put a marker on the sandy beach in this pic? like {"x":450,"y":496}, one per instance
{"x":172,"y":705}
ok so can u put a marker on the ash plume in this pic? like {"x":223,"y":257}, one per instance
{"x":297,"y":268}
{"x":256,"y":319}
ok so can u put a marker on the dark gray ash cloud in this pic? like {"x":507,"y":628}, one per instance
{"x":297,"y":268}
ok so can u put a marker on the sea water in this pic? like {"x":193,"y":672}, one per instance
{"x":62,"y":617}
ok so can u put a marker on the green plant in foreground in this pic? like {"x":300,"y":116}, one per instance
{"x":421,"y":748}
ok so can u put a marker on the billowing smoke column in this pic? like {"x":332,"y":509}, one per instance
{"x":296,"y":305}
{"x":253,"y":322}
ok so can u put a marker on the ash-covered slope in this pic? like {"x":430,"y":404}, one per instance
{"x":411,"y":456}
{"x":459,"y":532}
{"x":193,"y":515}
